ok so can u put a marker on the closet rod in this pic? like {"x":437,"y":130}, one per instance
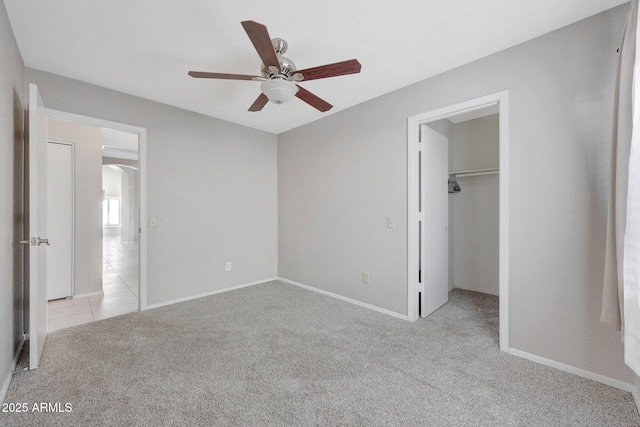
{"x":475,"y":172}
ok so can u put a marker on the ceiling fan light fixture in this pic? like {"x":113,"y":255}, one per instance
{"x":279,"y":74}
{"x":278,"y":90}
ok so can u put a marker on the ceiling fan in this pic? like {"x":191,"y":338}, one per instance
{"x":279,"y":75}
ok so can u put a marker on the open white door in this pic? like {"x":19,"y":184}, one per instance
{"x":37,"y":226}
{"x":434,"y":206}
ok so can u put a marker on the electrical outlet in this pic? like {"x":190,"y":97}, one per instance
{"x":365,"y":277}
{"x":227,"y":266}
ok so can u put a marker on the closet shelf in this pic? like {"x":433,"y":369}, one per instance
{"x":475,"y":172}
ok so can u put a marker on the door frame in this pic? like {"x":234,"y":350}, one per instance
{"x":37,"y":219}
{"x":142,"y":178}
{"x":413,"y":134}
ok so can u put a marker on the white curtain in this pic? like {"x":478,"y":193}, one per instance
{"x":621,"y":287}
{"x":631,"y":260}
{"x":613,"y":286}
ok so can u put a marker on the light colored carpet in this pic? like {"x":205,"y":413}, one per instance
{"x":274,"y":354}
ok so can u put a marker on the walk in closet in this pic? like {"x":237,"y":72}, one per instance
{"x":472,"y":190}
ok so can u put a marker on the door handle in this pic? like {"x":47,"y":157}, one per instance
{"x":35,"y":241}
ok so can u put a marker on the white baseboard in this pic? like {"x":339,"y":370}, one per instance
{"x":9,"y":375}
{"x":573,"y":370}
{"x":88,"y":294}
{"x":206,"y":294}
{"x":343,"y":298}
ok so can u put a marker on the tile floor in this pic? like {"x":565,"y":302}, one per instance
{"x":119,"y":283}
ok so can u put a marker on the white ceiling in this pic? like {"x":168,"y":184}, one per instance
{"x":146,"y":47}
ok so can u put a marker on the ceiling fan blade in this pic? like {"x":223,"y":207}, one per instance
{"x":313,"y":100}
{"x":351,"y":66}
{"x":206,"y":75}
{"x":259,"y":103}
{"x":261,"y":40}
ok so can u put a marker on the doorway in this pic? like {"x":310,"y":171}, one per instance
{"x":116,"y":269}
{"x":120,"y":224}
{"x":421,"y":292}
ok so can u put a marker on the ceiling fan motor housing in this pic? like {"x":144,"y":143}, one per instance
{"x":287,"y":67}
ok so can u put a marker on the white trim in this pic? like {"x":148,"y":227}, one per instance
{"x":413,"y":217}
{"x":573,"y":370}
{"x":91,"y":121}
{"x":142,"y":221}
{"x":142,"y":177}
{"x":206,"y":294}
{"x":635,"y":392}
{"x":343,"y":298}
{"x":88,"y":294}
{"x":503,"y":183}
{"x":413,"y":137}
{"x":7,"y":381}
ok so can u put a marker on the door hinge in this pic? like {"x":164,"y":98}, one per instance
{"x":420,"y":216}
{"x":420,"y":146}
{"x":420,"y":287}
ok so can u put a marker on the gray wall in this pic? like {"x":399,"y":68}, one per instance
{"x":211,"y":184}
{"x":340,"y":177}
{"x":12,"y":101}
